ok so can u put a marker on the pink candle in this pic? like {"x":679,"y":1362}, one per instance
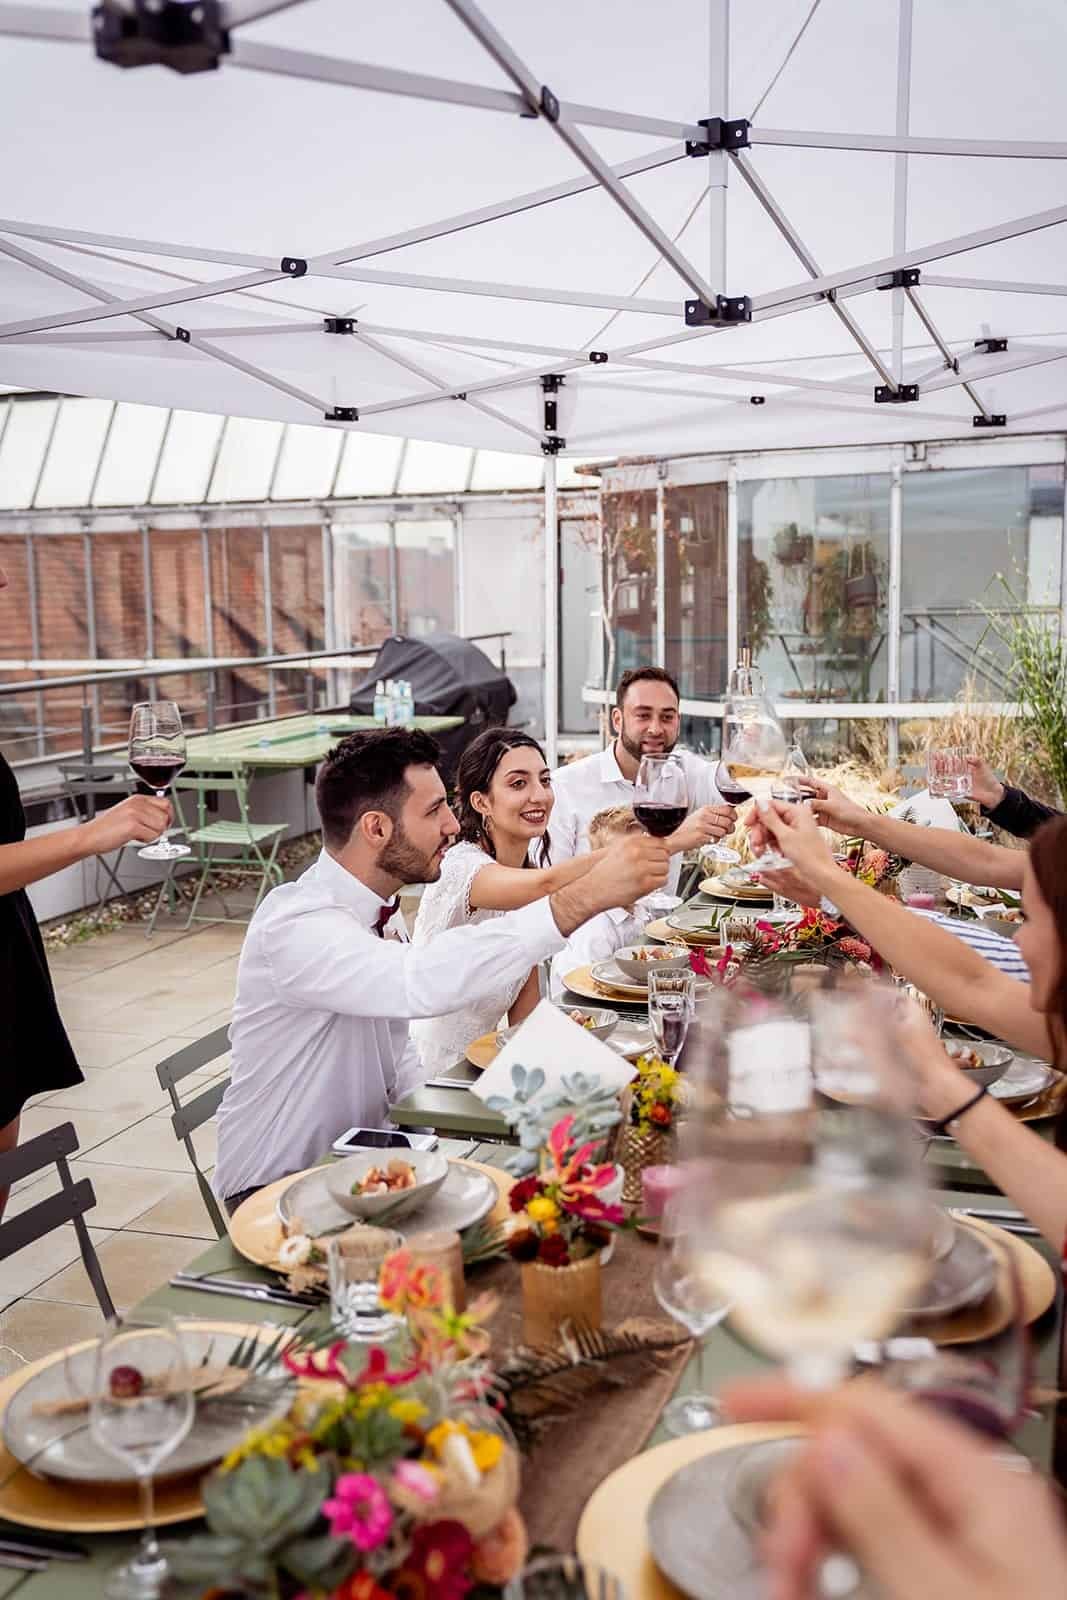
{"x":923,"y":900}
{"x":658,"y":1186}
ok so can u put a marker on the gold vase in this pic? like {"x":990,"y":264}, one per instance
{"x":553,"y":1296}
{"x":637,"y":1151}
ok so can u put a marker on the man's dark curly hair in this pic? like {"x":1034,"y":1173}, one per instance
{"x":366,"y":772}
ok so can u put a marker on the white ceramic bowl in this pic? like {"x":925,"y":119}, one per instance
{"x":667,"y":959}
{"x":995,"y":1059}
{"x":431,"y":1170}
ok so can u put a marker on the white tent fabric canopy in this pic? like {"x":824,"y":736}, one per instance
{"x":480,"y":246}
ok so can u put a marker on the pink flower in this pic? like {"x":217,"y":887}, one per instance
{"x":855,"y":949}
{"x":698,"y":963}
{"x":359,"y":1510}
{"x":417,"y":1480}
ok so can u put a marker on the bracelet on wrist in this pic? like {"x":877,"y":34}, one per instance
{"x":945,"y":1123}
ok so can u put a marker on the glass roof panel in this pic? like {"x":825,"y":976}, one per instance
{"x":499,"y":469}
{"x":307,"y":462}
{"x":22,"y":449}
{"x":368,"y":465}
{"x":187,"y":458}
{"x":245,"y":465}
{"x":430,"y":468}
{"x":130,"y":455}
{"x":74,"y":453}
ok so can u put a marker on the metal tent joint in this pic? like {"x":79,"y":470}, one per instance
{"x":901,"y":395}
{"x":551,"y":384}
{"x":598,"y":357}
{"x":338,"y":324}
{"x":342,"y":414}
{"x":293,"y":266}
{"x":722,"y":135}
{"x":182,"y":335}
{"x":995,"y":419}
{"x":552,"y":444}
{"x":902,"y":278}
{"x":727,"y":308}
{"x":549,"y":104}
{"x":757,"y":399}
{"x":992,"y":347}
{"x":160,"y":33}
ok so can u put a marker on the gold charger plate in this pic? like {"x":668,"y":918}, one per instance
{"x":581,"y":981}
{"x":619,"y":1543}
{"x":1048,"y":1104}
{"x":1037,"y":1283}
{"x":663,"y":933}
{"x":483,"y":1051}
{"x":67,"y":1507}
{"x":720,"y":891}
{"x":255,"y":1230}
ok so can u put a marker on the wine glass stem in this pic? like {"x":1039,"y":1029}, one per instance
{"x":161,"y":794}
{"x":148,"y":1554}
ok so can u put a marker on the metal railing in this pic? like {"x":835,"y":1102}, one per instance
{"x":82,"y":724}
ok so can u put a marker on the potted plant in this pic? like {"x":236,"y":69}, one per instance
{"x":791,"y":547}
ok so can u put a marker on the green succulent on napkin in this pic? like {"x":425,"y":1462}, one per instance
{"x":261,"y":1516}
{"x":532,"y":1114}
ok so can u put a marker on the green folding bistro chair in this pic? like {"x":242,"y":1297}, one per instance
{"x":192,"y":1114}
{"x":220,"y":846}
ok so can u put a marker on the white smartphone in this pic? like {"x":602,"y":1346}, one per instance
{"x":356,"y":1139}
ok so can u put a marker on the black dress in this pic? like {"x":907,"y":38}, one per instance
{"x":35,"y":1053}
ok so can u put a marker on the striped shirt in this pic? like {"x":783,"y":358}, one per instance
{"x":1004,"y":954}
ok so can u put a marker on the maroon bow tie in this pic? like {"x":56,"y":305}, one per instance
{"x":388,"y":910}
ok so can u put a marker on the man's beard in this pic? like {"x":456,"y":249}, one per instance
{"x":633,"y":746}
{"x":401,"y":860}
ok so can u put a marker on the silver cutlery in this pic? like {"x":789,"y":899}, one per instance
{"x":1010,"y":1221}
{"x":245,"y":1291}
{"x":21,"y":1563}
{"x":30,"y":1550}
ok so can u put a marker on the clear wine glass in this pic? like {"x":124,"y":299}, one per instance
{"x":816,"y":1221}
{"x":947,"y":773}
{"x":671,"y":1003}
{"x":564,"y":1578}
{"x":691,"y":1298}
{"x":157,"y":757}
{"x":140,"y":1410}
{"x":754,"y":751}
{"x":661,"y":795}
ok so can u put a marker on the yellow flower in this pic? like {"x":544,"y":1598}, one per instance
{"x":435,"y":1439}
{"x":273,"y":1441}
{"x":373,"y":1396}
{"x":487,"y":1449}
{"x":407,"y":1410}
{"x":542,"y":1209}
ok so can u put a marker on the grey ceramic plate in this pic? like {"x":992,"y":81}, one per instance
{"x":1023,"y":1080}
{"x":961,"y":1278}
{"x":465,"y":1197}
{"x":698,"y":1541}
{"x":63,"y":1447}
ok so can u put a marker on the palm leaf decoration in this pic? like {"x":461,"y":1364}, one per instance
{"x":536,"y":1385}
{"x":484,"y":1241}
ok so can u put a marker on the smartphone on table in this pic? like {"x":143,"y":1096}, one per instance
{"x":356,"y":1139}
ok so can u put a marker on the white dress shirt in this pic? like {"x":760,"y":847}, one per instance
{"x":597,"y":940}
{"x":582,"y":788}
{"x":320,"y":1023}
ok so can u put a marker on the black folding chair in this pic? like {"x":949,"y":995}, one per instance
{"x":69,"y":1205}
{"x":200,"y":1109}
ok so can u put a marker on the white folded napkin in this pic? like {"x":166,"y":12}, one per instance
{"x":551,"y":1041}
{"x":770,"y":1066}
{"x":928,"y":810}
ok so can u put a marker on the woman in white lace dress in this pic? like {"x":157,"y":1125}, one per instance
{"x":503,"y":801}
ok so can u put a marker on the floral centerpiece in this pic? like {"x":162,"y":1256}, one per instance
{"x":879,"y":869}
{"x":655,"y":1097}
{"x":770,"y":952}
{"x":381,"y":1481}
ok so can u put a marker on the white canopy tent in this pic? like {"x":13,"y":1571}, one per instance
{"x":873,"y":224}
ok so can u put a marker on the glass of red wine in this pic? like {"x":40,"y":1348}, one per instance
{"x":157,"y":757}
{"x":661,"y":795}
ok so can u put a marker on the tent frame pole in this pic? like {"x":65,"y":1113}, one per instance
{"x":893,"y":610}
{"x":900,"y":176}
{"x":551,"y":676}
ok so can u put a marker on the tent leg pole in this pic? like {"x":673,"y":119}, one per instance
{"x":551,"y":679}
{"x":718,"y":161}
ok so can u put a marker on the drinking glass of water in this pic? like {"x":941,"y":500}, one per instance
{"x":354,"y":1263}
{"x":671,"y":999}
{"x":947,"y":774}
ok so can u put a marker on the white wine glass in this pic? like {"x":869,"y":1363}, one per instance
{"x":687,"y":1294}
{"x":671,"y":1004}
{"x":140,"y":1411}
{"x":157,"y":757}
{"x":754,"y":752}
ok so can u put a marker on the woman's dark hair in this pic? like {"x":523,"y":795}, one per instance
{"x":1048,"y":858}
{"x":474,"y":774}
{"x":367,"y":772}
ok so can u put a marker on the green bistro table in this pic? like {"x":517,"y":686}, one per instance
{"x":286,"y":742}
{"x":727,"y":1358}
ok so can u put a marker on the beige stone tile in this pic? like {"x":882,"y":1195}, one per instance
{"x":181,"y":1211}
{"x":43,"y":1259}
{"x":92,"y":1127}
{"x":133,"y":1092}
{"x":36,"y":1328}
{"x":133,"y":1264}
{"x":146,"y":1058}
{"x":99,"y":1041}
{"x":122,"y":1193}
{"x":152,"y":1144}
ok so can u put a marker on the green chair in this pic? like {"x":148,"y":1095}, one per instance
{"x":201,"y":1108}
{"x":218,"y":846}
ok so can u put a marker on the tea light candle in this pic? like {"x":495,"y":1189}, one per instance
{"x":442,"y":1249}
{"x":922,"y":900}
{"x":658,"y":1186}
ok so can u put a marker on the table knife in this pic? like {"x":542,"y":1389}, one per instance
{"x":1000,"y":1219}
{"x":28,"y":1549}
{"x":225,"y":1282}
{"x":260,"y":1292}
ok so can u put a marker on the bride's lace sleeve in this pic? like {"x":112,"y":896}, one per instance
{"x":447,"y":903}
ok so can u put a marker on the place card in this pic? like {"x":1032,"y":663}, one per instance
{"x":770,"y":1066}
{"x":550,"y":1040}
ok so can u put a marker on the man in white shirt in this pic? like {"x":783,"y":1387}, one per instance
{"x":320,"y":1023}
{"x":646,"y":722}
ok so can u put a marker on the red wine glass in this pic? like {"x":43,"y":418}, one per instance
{"x":157,"y":757}
{"x":661,"y":795}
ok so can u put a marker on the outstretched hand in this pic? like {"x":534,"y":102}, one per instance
{"x":795,"y":831}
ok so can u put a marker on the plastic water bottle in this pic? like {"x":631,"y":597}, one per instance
{"x":407,"y":704}
{"x":380,"y":703}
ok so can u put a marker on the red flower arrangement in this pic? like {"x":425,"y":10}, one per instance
{"x":560,"y":1216}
